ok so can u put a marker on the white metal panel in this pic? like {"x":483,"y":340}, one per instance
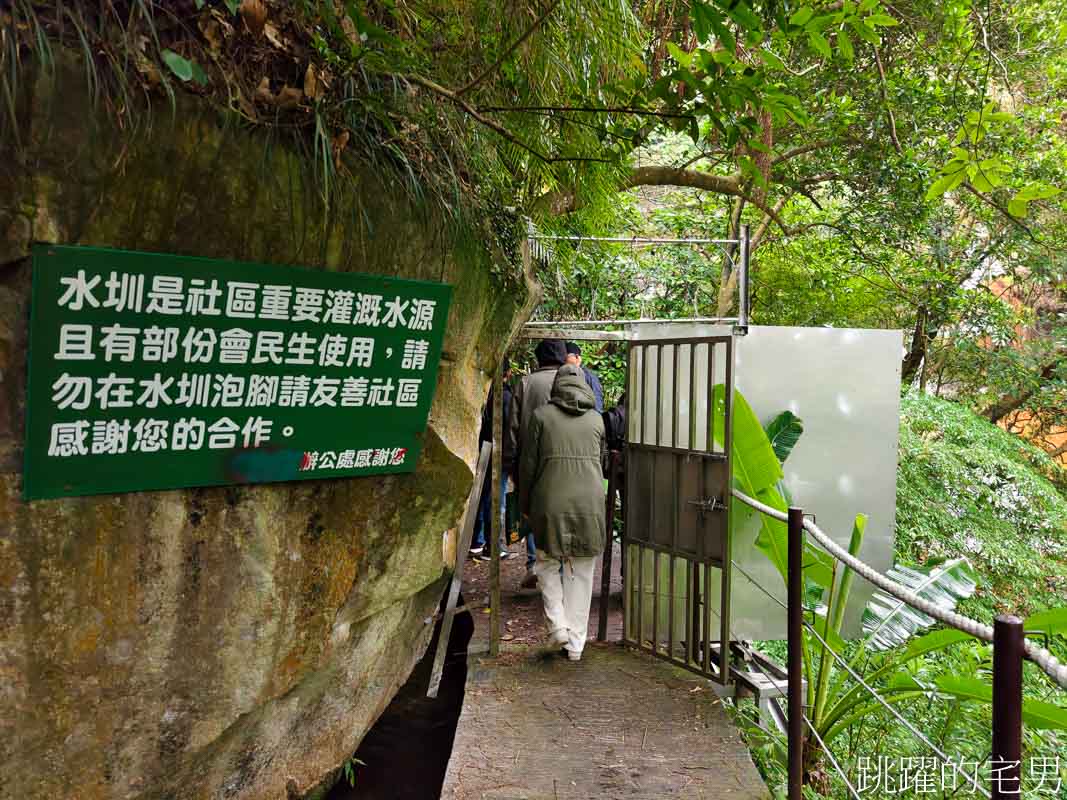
{"x":845,"y":386}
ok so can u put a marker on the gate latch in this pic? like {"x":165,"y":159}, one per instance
{"x":708,"y":504}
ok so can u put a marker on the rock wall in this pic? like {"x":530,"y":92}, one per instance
{"x":221,"y":642}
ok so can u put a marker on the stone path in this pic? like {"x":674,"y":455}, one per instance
{"x":617,"y":724}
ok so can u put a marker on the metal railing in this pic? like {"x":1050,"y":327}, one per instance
{"x":1010,"y":648}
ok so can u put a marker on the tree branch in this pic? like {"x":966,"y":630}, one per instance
{"x":885,"y":101}
{"x":805,"y":148}
{"x":672,"y":176}
{"x":500,"y":129}
{"x":639,"y":112}
{"x":989,"y":201}
{"x":514,"y":46}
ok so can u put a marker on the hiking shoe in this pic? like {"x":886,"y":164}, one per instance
{"x":573,"y":655}
{"x":530,"y":581}
{"x":476,"y":551}
{"x":506,"y":554}
{"x":480,"y":557}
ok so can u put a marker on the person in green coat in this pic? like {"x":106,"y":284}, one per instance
{"x":563,"y":455}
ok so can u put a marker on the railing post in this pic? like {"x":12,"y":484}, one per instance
{"x":795,"y":632}
{"x":1007,"y":706}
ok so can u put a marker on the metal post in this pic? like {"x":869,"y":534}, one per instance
{"x":1007,"y":706}
{"x":605,"y":568}
{"x":493,"y":528}
{"x":742,"y":283}
{"x":795,"y":630}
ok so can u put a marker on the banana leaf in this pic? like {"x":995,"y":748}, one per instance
{"x":783,"y":432}
{"x":1049,"y":623}
{"x":889,"y":622}
{"x":756,"y":472}
{"x":1037,"y":714}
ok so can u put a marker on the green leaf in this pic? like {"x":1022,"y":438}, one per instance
{"x":819,"y":43}
{"x":802,"y":16}
{"x":832,"y":637}
{"x":199,"y":4}
{"x":934,"y":641}
{"x":701,"y":13}
{"x":783,"y":432}
{"x":882,"y":20}
{"x":1051,"y":622}
{"x":867,"y":5}
{"x":679,"y":55}
{"x":865,"y":32}
{"x":844,"y":46}
{"x":723,"y":33}
{"x":1018,"y":207}
{"x":181,"y":67}
{"x":888,"y":622}
{"x":233,"y":5}
{"x":939,"y":187}
{"x":1037,"y":714}
{"x":743,"y":16}
{"x":981,"y":182}
{"x":199,"y":76}
{"x":771,"y":60}
{"x":1038,"y":191}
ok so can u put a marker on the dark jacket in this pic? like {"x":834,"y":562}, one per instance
{"x":594,"y":385}
{"x":562,"y":458}
{"x":486,"y":432}
{"x":615,"y":425}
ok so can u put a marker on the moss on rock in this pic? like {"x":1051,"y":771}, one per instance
{"x":233,"y":641}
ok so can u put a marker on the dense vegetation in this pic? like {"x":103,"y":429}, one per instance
{"x":899,"y":165}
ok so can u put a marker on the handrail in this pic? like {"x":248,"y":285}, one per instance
{"x":1039,"y":655}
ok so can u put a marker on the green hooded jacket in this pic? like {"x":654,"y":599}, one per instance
{"x":563,"y":452}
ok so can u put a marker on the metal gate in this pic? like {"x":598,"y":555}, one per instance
{"x":676,"y":547}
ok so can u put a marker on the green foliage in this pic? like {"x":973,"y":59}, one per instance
{"x":928,"y":678}
{"x":965,"y":486}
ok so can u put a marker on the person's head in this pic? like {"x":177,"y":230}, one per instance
{"x":574,"y":354}
{"x":550,"y":353}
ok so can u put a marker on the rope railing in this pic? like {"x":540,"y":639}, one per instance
{"x":1007,"y":635}
{"x":1038,"y":655}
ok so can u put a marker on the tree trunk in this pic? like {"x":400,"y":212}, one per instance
{"x":917,"y":351}
{"x":1011,"y":402}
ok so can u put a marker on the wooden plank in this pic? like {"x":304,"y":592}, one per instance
{"x":463,"y":546}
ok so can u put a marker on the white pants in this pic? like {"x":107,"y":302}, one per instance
{"x":567,"y":593}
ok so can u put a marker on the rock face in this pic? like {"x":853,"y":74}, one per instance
{"x":222,"y":642}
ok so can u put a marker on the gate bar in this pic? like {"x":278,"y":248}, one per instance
{"x":742,"y":300}
{"x":795,"y":629}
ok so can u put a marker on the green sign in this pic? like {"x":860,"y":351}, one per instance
{"x":155,"y":372}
